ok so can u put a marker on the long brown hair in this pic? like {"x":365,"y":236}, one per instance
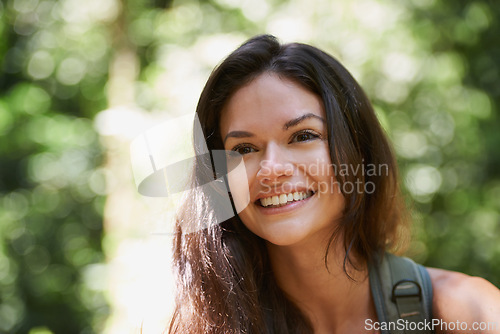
{"x":224,"y":280}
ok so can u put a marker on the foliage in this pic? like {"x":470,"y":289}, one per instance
{"x":430,"y":67}
{"x":461,"y":222}
{"x":54,"y":71}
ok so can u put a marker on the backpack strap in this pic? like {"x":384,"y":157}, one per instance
{"x":402,"y":293}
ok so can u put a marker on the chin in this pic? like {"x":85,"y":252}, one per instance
{"x":288,"y":234}
{"x":284,"y":241}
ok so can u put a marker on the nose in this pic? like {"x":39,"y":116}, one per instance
{"x":275,"y":165}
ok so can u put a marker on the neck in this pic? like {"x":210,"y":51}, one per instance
{"x":327,"y":296}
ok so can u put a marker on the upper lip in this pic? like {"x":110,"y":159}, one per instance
{"x":280,"y":192}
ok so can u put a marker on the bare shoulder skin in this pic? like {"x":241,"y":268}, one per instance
{"x":464,"y":304}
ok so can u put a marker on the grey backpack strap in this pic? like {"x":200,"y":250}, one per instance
{"x":402,"y":293}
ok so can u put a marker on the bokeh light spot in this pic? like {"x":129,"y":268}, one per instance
{"x":410,"y":144}
{"x":400,"y":67}
{"x":16,"y":205}
{"x":25,"y":6}
{"x":422,"y":181}
{"x":37,"y":259}
{"x":41,"y":65}
{"x":44,"y":199}
{"x":40,"y":330}
{"x":6,"y":118}
{"x":8,"y":317}
{"x":478,"y":15}
{"x":71,"y":71}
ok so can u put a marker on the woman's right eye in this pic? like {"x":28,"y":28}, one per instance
{"x":244,"y":149}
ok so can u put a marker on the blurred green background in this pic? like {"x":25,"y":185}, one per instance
{"x":431,"y":68}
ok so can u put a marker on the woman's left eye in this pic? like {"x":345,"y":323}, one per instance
{"x":305,"y":135}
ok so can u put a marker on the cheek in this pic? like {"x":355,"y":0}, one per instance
{"x":328,"y":183}
{"x":316,"y":163}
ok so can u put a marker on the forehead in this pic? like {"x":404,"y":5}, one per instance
{"x":268,"y":101}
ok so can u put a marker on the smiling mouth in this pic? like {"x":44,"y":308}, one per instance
{"x":284,"y":199}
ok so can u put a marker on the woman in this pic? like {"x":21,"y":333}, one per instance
{"x":321,"y":205}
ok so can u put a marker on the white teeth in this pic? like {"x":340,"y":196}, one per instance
{"x":275,"y":200}
{"x":285,"y":198}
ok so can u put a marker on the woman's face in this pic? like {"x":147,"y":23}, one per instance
{"x":280,"y":129}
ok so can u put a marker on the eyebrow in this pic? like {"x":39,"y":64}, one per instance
{"x":299,"y":119}
{"x":289,"y":124}
{"x":238,"y":134}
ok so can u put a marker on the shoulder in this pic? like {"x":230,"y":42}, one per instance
{"x":465,"y":299}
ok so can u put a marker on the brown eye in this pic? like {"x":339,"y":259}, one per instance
{"x":305,"y":135}
{"x":243,"y":149}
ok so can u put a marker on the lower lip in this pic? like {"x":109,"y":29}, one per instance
{"x":286,"y":208}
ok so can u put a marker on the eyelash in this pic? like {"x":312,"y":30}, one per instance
{"x":242,"y":146}
{"x":312,"y":136}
